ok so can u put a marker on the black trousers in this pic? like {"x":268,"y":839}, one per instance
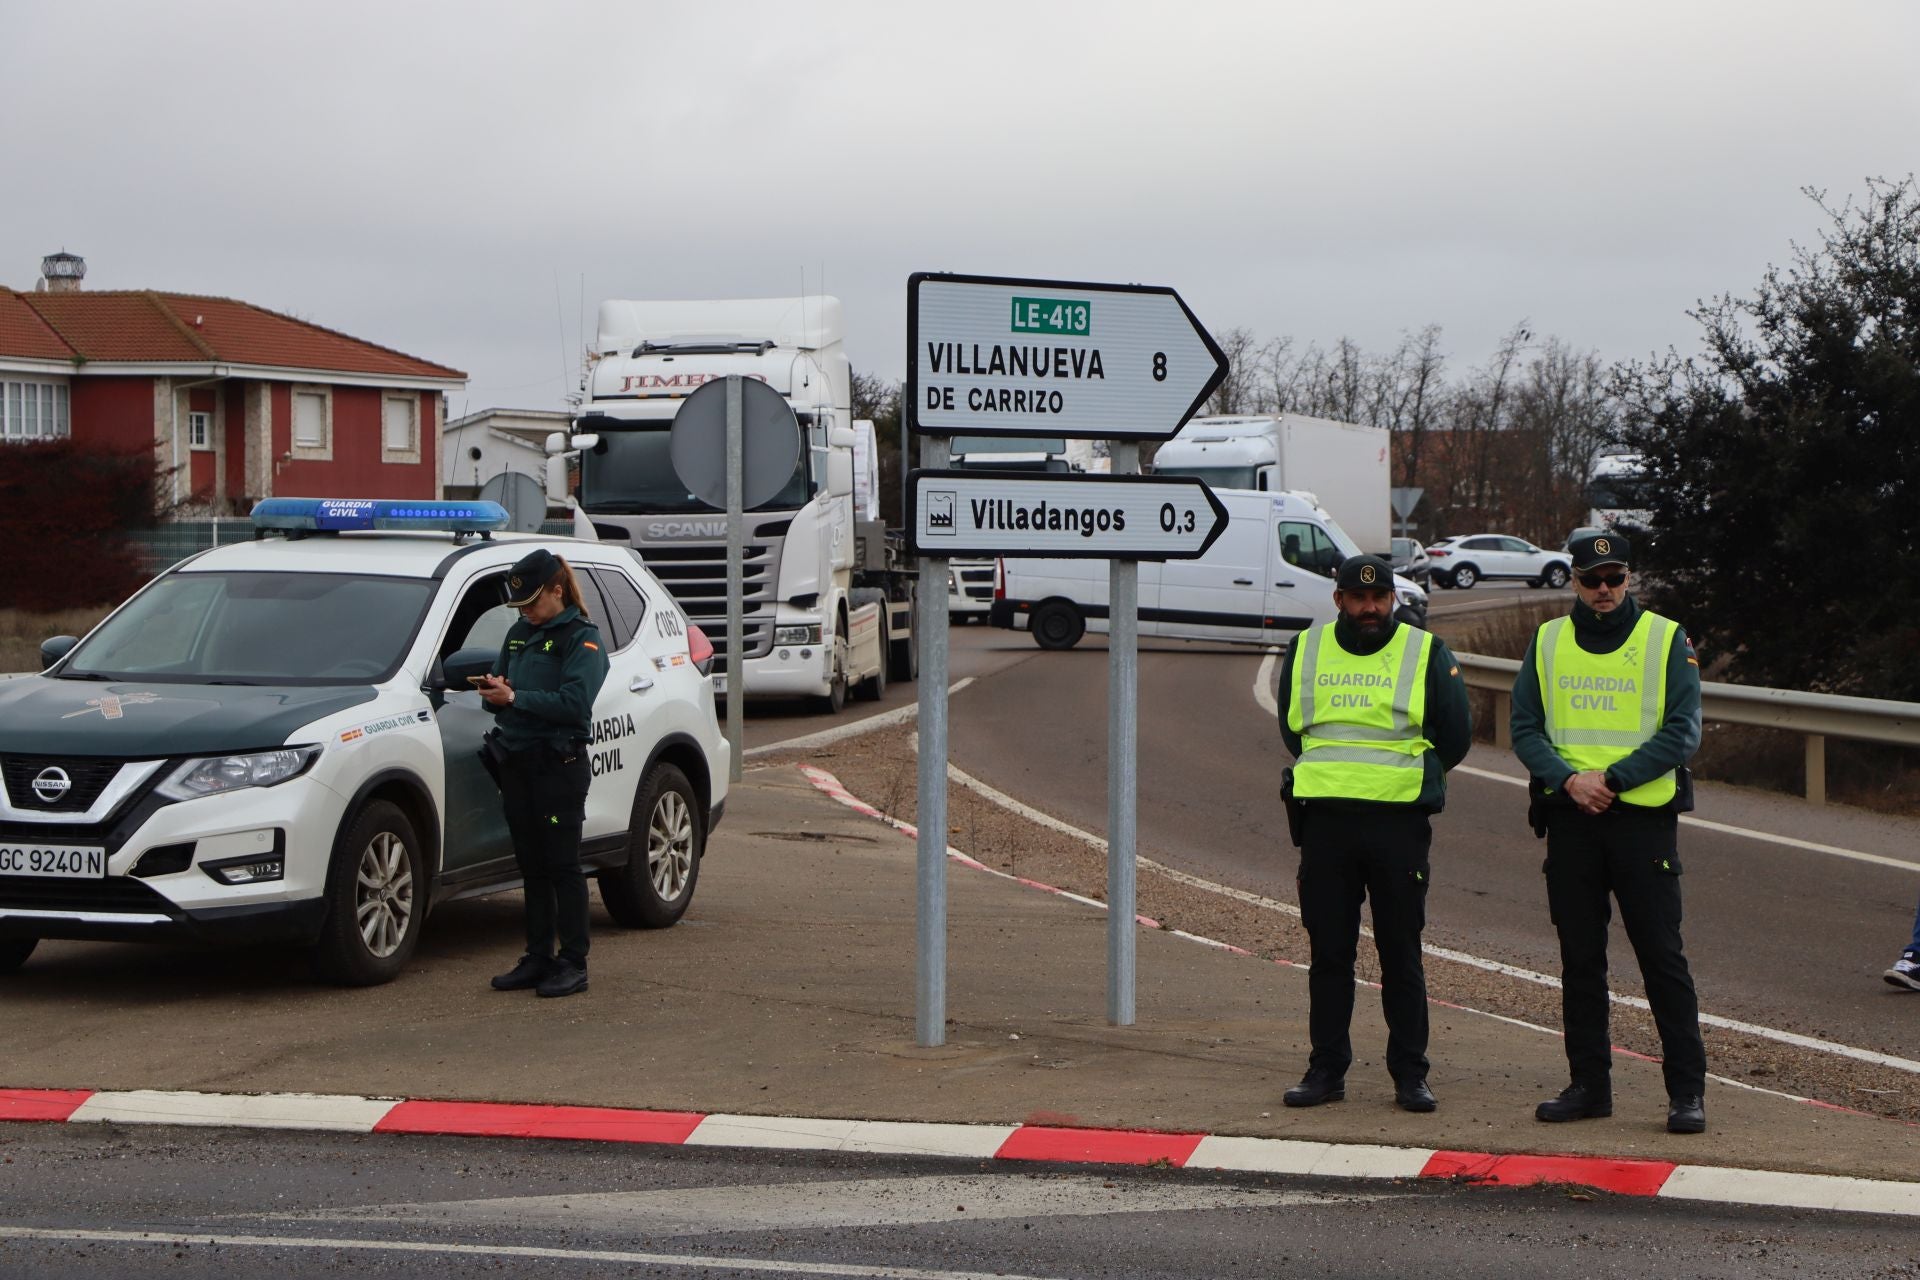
{"x":1349,"y":854}
{"x":1632,"y":855}
{"x":546,"y":806}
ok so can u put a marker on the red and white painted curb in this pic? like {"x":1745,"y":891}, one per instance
{"x":349,"y":1114}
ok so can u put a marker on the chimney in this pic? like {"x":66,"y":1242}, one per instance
{"x":62,"y":272}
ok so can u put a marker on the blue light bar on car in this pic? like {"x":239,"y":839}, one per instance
{"x":333,"y":515}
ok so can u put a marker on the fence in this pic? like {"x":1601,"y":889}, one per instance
{"x":1815,"y":716}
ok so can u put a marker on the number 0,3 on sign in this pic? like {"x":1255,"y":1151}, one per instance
{"x":996,"y":356}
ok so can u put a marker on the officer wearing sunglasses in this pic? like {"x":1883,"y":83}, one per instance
{"x":1606,"y":714}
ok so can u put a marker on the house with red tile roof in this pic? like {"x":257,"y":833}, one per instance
{"x":237,"y":402}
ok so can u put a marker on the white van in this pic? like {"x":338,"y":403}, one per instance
{"x":1267,"y":576}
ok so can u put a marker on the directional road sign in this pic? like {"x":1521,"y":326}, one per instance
{"x":998,"y":356}
{"x":1011,"y":513}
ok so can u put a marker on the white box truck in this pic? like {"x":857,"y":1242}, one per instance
{"x":828,"y":595}
{"x":1344,"y":465}
{"x":1267,"y":576}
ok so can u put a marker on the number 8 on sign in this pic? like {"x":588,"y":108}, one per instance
{"x":1159,"y":366}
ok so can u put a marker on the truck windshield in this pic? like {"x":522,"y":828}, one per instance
{"x":630,"y":473}
{"x":1217,"y":477}
{"x":258,"y":628}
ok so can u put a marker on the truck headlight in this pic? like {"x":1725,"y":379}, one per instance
{"x":210,"y":775}
{"x":809,"y":634}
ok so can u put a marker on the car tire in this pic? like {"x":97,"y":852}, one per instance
{"x":1557,"y":576}
{"x":664,"y":844}
{"x":1464,"y":577}
{"x":376,"y":899}
{"x":14,"y":952}
{"x":1057,"y":625}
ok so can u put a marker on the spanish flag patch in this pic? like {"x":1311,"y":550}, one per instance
{"x":588,"y":644}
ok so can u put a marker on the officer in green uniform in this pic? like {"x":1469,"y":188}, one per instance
{"x":1376,"y":713}
{"x":542,"y":689}
{"x":1606,"y":713}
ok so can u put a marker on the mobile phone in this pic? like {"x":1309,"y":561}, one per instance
{"x":478,"y":680}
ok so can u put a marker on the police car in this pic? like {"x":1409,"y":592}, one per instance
{"x":278,"y":741}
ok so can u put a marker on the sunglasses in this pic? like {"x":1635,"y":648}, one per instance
{"x":1592,"y":580}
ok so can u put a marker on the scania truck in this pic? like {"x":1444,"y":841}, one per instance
{"x":828,"y":594}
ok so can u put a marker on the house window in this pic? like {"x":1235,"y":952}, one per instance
{"x":33,"y":411}
{"x":200,"y":431}
{"x":400,"y":428}
{"x":312,"y":423}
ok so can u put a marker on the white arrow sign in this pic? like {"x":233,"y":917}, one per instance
{"x":1006,"y":513}
{"x":998,"y":356}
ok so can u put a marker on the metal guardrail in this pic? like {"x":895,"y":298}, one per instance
{"x":1816,"y":716}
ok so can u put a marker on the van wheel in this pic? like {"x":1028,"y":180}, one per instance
{"x":665,"y":840}
{"x":376,"y":896}
{"x":1057,"y":625}
{"x":14,"y":952}
{"x":1556,"y":576}
{"x":1465,"y":576}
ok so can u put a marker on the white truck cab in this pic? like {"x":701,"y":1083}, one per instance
{"x":277,"y":741}
{"x":1268,"y":575}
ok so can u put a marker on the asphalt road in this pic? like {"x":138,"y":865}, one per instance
{"x":95,"y":1201}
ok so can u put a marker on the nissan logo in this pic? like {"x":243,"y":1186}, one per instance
{"x":52,"y":785}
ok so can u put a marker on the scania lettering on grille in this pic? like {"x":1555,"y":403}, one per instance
{"x":687,"y":529}
{"x":51,"y":785}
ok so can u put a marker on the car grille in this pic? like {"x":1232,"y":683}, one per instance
{"x":976,"y":584}
{"x":88,"y":776}
{"x":115,"y":893}
{"x":696,"y":577}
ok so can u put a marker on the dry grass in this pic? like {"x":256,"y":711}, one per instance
{"x":21,"y":633}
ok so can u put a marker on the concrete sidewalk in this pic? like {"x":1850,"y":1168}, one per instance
{"x":789,"y":990}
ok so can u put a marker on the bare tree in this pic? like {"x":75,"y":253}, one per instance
{"x":1236,"y":392}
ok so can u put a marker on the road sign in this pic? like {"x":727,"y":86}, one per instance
{"x":999,"y":356}
{"x":1007,"y":513}
{"x":769,"y":443}
{"x":1404,"y":501}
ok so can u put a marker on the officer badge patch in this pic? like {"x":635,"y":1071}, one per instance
{"x":1601,"y":546}
{"x":1368,"y":575}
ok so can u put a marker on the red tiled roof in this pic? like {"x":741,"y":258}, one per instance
{"x":180,"y":328}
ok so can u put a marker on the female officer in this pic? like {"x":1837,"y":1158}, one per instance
{"x":549,"y":671}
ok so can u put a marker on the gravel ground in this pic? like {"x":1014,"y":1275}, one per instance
{"x":881,"y":768}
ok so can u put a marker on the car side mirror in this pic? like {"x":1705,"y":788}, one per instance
{"x":56,"y":648}
{"x":462,"y":664}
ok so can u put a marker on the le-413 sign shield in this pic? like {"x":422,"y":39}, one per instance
{"x":992,"y":355}
{"x":1010,"y":513}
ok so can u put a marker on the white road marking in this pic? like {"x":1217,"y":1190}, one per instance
{"x":337,"y":1112}
{"x":774,"y":1266}
{"x":839,"y":733}
{"x":834,"y":1205}
{"x":1027,"y":811}
{"x":1791,"y":1190}
{"x":975,"y":1141}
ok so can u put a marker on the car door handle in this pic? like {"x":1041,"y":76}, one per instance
{"x":639,"y":684}
{"x":1287,"y":585}
{"x":1243,"y":582}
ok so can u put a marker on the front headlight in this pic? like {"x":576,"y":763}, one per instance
{"x":1412,"y":597}
{"x":209,"y":775}
{"x":797,"y":635}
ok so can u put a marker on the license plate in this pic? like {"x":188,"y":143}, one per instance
{"x":719,"y":683}
{"x":59,"y":860}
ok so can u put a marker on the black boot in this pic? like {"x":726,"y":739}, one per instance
{"x":1687,"y":1114}
{"x":525,"y":975}
{"x":1413,"y":1095}
{"x":1576,"y":1102}
{"x":1317,"y":1088}
{"x":564,"y":979}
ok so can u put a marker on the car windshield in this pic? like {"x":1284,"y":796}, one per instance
{"x":1216,"y":477}
{"x":257,"y":628}
{"x":1403,"y":548}
{"x":630,"y":472}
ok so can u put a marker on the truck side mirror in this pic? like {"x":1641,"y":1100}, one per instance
{"x":840,"y":470}
{"x":557,"y":480}
{"x":556,"y":442}
{"x":840,"y":438}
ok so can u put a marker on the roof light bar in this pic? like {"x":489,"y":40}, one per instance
{"x":334,"y":515}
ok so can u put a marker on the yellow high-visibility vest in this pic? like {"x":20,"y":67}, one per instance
{"x":1601,"y":707}
{"x":1361,"y":718}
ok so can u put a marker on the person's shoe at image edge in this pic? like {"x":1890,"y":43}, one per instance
{"x":1316,"y":1089}
{"x":1905,"y":971}
{"x":525,"y":975}
{"x":565,"y":979}
{"x":1413,"y":1095}
{"x":1687,"y":1114}
{"x":1577,"y":1101}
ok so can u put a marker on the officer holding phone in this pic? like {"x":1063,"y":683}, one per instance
{"x":1606,"y":714}
{"x":542,"y":689}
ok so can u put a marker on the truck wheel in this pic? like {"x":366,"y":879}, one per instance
{"x":835,"y":700}
{"x":904,"y":656}
{"x":874,"y":687}
{"x":1057,"y":625}
{"x":376,"y":896}
{"x":1465,"y":576}
{"x":14,"y":952}
{"x":664,"y":844}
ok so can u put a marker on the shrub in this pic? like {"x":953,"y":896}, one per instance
{"x":70,"y":508}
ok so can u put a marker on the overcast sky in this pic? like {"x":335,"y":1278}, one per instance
{"x":452,"y":179}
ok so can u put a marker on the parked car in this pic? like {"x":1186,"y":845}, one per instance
{"x":1464,"y":559}
{"x":1410,"y":560}
{"x":278,"y":741}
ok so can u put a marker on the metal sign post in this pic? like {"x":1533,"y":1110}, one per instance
{"x":930,"y":954}
{"x":1123,"y":773}
{"x":736,"y":551}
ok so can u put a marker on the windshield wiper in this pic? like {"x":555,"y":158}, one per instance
{"x":85,"y":675}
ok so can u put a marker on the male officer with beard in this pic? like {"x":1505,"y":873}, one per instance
{"x":1376,"y":713}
